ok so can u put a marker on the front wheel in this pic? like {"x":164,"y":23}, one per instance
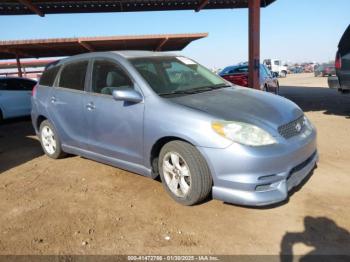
{"x":283,"y":74}
{"x":50,"y":141}
{"x":184,"y":172}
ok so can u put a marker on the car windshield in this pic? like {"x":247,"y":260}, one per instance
{"x":177,"y":75}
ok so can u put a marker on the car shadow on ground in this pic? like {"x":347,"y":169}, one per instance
{"x":323,"y":235}
{"x":18,"y":144}
{"x":309,"y":99}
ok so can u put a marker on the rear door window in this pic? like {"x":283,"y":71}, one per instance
{"x":73,"y":75}
{"x":49,"y":76}
{"x":242,"y":69}
{"x":27,"y":85}
{"x":4,"y":84}
{"x":17,"y":85}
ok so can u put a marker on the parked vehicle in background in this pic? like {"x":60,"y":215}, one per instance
{"x":295,"y":69}
{"x":325,"y":70}
{"x":238,"y":75}
{"x":156,"y":114}
{"x":342,"y":65}
{"x":276,"y":66}
{"x":15,"y":95}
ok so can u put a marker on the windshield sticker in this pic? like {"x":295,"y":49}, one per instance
{"x":185,"y":60}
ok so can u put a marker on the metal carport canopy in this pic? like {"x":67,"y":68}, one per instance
{"x":40,"y":7}
{"x":58,"y":47}
{"x":71,"y":46}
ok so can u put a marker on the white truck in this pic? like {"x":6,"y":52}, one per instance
{"x":276,"y":66}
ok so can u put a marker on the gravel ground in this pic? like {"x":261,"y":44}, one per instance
{"x":78,"y":206}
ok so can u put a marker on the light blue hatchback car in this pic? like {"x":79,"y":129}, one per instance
{"x":15,"y":95}
{"x":162,"y":114}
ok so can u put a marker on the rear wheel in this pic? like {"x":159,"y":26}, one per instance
{"x":50,"y":141}
{"x":283,"y":74}
{"x":184,"y":172}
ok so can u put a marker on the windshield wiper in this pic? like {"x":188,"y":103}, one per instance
{"x":195,"y":90}
{"x":186,"y":92}
{"x":220,"y":86}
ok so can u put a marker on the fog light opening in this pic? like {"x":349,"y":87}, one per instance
{"x":264,"y":187}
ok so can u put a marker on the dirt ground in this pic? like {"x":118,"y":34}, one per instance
{"x":78,"y":206}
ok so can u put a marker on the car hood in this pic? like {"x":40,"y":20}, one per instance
{"x":243,"y":104}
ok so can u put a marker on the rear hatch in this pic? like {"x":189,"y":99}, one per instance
{"x":342,"y":63}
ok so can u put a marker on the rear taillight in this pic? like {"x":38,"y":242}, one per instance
{"x":238,"y":79}
{"x":34,"y":90}
{"x":338,"y":61}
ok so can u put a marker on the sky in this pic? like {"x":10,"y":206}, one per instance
{"x":291,"y":30}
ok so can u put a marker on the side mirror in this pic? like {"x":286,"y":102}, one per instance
{"x":127,"y":94}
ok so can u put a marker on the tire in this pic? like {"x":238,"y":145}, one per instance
{"x":277,"y":90}
{"x":283,"y":74}
{"x":50,"y":141}
{"x":194,"y":172}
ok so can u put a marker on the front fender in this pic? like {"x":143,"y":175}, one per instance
{"x":164,"y":119}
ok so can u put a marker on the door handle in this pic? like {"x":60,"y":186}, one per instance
{"x":53,"y":99}
{"x":90,"y":106}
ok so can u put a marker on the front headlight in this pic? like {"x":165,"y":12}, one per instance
{"x":243,"y":133}
{"x":308,"y":127}
{"x":307,"y":123}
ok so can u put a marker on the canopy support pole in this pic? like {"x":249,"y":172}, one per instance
{"x":254,"y":43}
{"x":19,"y":67}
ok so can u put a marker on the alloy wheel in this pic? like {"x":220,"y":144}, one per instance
{"x":177,"y":174}
{"x":48,"y":140}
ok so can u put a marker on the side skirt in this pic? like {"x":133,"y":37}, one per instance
{"x":128,"y":166}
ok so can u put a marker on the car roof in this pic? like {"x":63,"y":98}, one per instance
{"x":125,"y":54}
{"x":140,"y":53}
{"x":18,"y":78}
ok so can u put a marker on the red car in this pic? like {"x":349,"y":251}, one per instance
{"x":238,"y":75}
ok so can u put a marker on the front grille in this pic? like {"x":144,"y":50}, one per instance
{"x":292,"y":128}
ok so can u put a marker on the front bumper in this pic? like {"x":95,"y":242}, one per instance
{"x":260,"y":176}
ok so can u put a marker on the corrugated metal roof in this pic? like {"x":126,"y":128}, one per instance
{"x":42,"y":7}
{"x":71,"y":46}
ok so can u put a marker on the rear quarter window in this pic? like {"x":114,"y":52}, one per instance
{"x":49,"y":76}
